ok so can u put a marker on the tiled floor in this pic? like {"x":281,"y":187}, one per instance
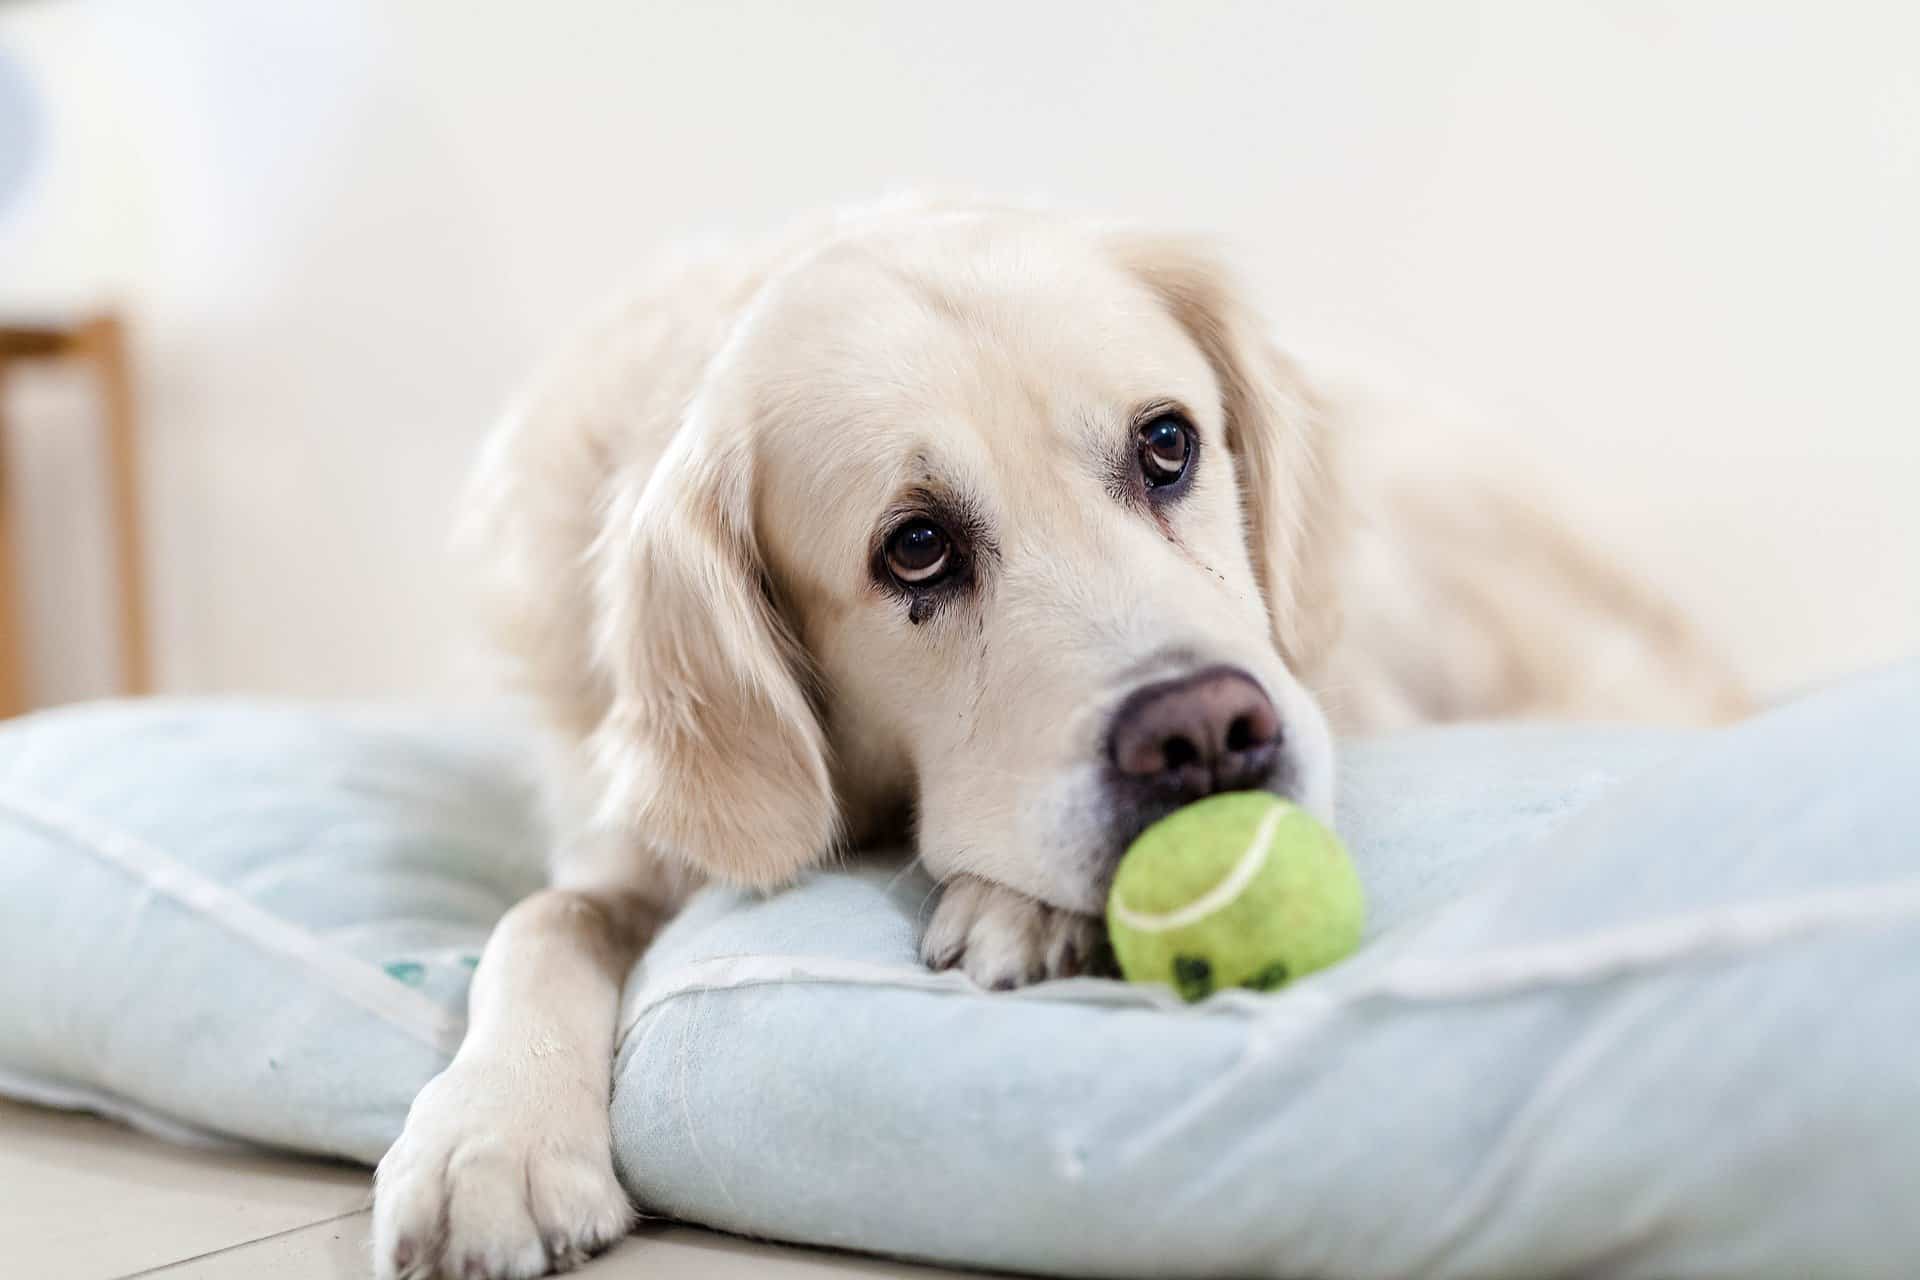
{"x":83,"y":1199}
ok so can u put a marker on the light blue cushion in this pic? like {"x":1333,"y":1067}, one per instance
{"x":1634,"y":1003}
{"x":246,"y":920}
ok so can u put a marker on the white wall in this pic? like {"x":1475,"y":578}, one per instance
{"x":1668,"y":250}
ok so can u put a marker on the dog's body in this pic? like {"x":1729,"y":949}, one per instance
{"x":997,"y":526}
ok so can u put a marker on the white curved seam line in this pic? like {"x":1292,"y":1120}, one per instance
{"x":1737,"y":928}
{"x":1245,"y":868}
{"x":1729,"y":930}
{"x":348,"y":977}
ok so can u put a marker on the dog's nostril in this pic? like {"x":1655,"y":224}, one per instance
{"x":1179,"y":752}
{"x":1212,"y":731}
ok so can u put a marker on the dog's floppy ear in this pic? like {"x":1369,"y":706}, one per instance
{"x":1289,"y":489}
{"x":711,"y":749}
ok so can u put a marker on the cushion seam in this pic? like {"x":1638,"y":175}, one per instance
{"x":1720,"y":933}
{"x":343,"y":974}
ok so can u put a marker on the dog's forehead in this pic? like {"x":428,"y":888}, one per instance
{"x":973,"y":348}
{"x":974,"y":318}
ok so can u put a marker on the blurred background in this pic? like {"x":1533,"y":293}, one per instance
{"x":1667,"y":252}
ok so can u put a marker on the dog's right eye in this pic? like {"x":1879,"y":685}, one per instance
{"x":1166,"y":452}
{"x":919,"y":553}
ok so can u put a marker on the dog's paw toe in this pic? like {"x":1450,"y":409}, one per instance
{"x":1003,"y":939}
{"x":578,"y":1205}
{"x":472,"y":1195}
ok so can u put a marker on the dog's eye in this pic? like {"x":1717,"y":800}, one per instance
{"x":1166,"y":450}
{"x":919,"y":553}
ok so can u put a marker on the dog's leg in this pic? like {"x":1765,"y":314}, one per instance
{"x":505,"y":1167}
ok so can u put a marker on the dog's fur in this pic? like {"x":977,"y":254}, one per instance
{"x":684,"y":525}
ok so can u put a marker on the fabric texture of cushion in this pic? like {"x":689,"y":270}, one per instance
{"x":249,"y":921}
{"x":1633,"y":1003}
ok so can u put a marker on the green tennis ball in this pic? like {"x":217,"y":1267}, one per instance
{"x":1237,"y":890}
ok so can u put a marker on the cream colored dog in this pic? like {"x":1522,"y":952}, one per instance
{"x":996,"y":527}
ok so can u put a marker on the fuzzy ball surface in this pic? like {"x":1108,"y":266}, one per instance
{"x":1242,"y":889}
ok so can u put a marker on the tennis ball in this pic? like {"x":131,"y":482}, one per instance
{"x":1237,"y":890}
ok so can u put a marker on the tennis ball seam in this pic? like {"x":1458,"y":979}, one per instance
{"x":1222,"y":895}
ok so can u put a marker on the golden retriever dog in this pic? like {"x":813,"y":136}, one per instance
{"x":996,"y":529}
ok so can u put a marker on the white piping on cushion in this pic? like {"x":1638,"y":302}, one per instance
{"x":1722,"y":931}
{"x":1706,"y":935}
{"x":345,"y":975}
{"x":736,"y":972}
{"x":1702,"y":935}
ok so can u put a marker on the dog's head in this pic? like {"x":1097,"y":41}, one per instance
{"x":1001,"y":523}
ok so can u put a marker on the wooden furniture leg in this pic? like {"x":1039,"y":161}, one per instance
{"x":102,"y":345}
{"x":13,"y":610}
{"x":104,"y":340}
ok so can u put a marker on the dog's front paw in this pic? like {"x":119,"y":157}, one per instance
{"x":1004,"y":939}
{"x":485,"y":1184}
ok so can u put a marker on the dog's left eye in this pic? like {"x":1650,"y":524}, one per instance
{"x":1166,"y":450}
{"x":919,"y":553}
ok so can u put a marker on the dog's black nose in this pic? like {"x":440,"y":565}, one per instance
{"x":1215,"y":730}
